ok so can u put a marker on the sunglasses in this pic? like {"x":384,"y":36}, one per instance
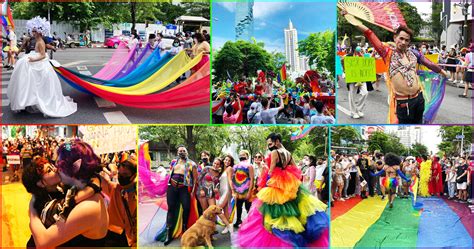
{"x":258,"y":156}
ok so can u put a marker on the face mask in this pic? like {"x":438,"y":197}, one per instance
{"x":182,"y":155}
{"x":423,"y":50}
{"x":242,"y":158}
{"x":123,"y":180}
{"x":272,"y":148}
{"x":175,"y":44}
{"x":205,"y":160}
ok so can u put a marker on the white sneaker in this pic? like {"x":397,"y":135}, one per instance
{"x":355,"y":116}
{"x":226,"y":230}
{"x":361,"y":114}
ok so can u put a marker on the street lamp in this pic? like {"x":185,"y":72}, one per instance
{"x":464,"y":4}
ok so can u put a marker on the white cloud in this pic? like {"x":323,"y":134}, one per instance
{"x":218,"y":42}
{"x":230,"y":6}
{"x":263,"y":10}
{"x":273,"y":45}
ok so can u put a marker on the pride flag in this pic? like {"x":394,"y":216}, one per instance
{"x":301,"y":132}
{"x":373,"y":224}
{"x":282,"y":74}
{"x":7,"y":17}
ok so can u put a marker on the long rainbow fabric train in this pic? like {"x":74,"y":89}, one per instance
{"x":370,"y":223}
{"x":136,"y":77}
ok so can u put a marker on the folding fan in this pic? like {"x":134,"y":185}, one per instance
{"x":384,"y":14}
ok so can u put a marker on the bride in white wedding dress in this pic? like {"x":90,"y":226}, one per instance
{"x":34,"y":82}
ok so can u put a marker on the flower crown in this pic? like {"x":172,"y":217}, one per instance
{"x":40,"y":25}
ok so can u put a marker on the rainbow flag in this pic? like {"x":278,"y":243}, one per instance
{"x":7,"y":20}
{"x":301,"y":132}
{"x":373,"y":224}
{"x":282,"y":74}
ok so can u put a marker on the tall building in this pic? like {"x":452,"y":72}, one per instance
{"x":291,"y":48}
{"x":409,"y":135}
{"x":304,"y":63}
{"x":244,"y":20}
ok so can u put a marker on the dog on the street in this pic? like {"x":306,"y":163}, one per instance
{"x":201,"y":232}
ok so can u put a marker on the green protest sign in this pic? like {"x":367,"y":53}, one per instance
{"x":359,"y":69}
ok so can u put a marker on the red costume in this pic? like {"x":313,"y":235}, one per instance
{"x":259,"y":89}
{"x":235,"y":105}
{"x":435,"y":186}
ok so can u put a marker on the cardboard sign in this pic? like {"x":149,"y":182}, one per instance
{"x":109,"y":139}
{"x":13,"y":159}
{"x":359,"y":69}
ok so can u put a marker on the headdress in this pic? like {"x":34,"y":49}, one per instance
{"x":39,"y":24}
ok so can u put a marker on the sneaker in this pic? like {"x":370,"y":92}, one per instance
{"x":226,"y":230}
{"x":361,"y":114}
{"x":391,"y":205}
{"x":355,"y":116}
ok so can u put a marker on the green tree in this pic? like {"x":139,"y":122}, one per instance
{"x":386,"y":143}
{"x":320,"y":49}
{"x":349,"y":134}
{"x":241,"y":58}
{"x":418,"y":150}
{"x":450,"y":144}
{"x":435,"y":23}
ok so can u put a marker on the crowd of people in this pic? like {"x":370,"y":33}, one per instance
{"x":79,"y":198}
{"x":261,"y":180}
{"x":366,"y":174}
{"x":267,"y":102}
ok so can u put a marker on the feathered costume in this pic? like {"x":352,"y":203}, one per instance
{"x":425,"y":174}
{"x":284,"y":214}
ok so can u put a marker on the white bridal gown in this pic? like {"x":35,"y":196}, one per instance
{"x":36,"y":84}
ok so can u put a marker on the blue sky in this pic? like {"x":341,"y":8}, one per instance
{"x":271,"y":18}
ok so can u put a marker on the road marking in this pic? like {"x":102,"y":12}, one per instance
{"x":116,"y":118}
{"x":344,"y":110}
{"x":103,"y":103}
{"x":88,"y":73}
{"x":70,"y":64}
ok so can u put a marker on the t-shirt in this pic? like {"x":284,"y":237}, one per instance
{"x":460,"y":170}
{"x":232,"y":119}
{"x":175,"y":50}
{"x":269,"y":115}
{"x":12,"y":38}
{"x":322,"y":119}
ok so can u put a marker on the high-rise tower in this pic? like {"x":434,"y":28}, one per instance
{"x":291,"y":48}
{"x":244,"y":20}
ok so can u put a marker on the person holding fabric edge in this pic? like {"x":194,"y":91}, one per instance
{"x":406,"y":92}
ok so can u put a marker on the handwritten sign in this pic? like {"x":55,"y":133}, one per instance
{"x":13,"y":159}
{"x":359,"y":69}
{"x":109,"y":139}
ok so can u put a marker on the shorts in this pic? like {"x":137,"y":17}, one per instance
{"x":461,"y":186}
{"x":469,"y":76}
{"x":7,"y":48}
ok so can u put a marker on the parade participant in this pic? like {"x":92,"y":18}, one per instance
{"x":308,"y":173}
{"x":359,"y":88}
{"x":425,"y":175}
{"x":122,"y":210}
{"x":392,"y":172}
{"x":242,"y":184}
{"x":436,"y":181}
{"x":208,"y":184}
{"x":409,"y":170}
{"x":26,"y":154}
{"x":259,"y":167}
{"x":339,"y":178}
{"x":151,"y":41}
{"x":181,"y":188}
{"x":254,"y":113}
{"x":462,"y":176}
{"x":284,"y":214}
{"x":176,"y":48}
{"x":34,"y":83}
{"x":469,"y":75}
{"x":12,"y":48}
{"x":232,"y":116}
{"x":364,"y":168}
{"x":404,"y":84}
{"x":200,"y":46}
{"x":82,"y":226}
{"x":269,"y":114}
{"x":320,"y":117}
{"x":158,"y":43}
{"x":225,"y":192}
{"x":205,"y":160}
{"x":451,"y":181}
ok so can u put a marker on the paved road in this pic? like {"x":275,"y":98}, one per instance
{"x":453,"y":110}
{"x":89,"y":111}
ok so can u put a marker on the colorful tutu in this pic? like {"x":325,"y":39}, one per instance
{"x":284,"y":214}
{"x":390,"y":182}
